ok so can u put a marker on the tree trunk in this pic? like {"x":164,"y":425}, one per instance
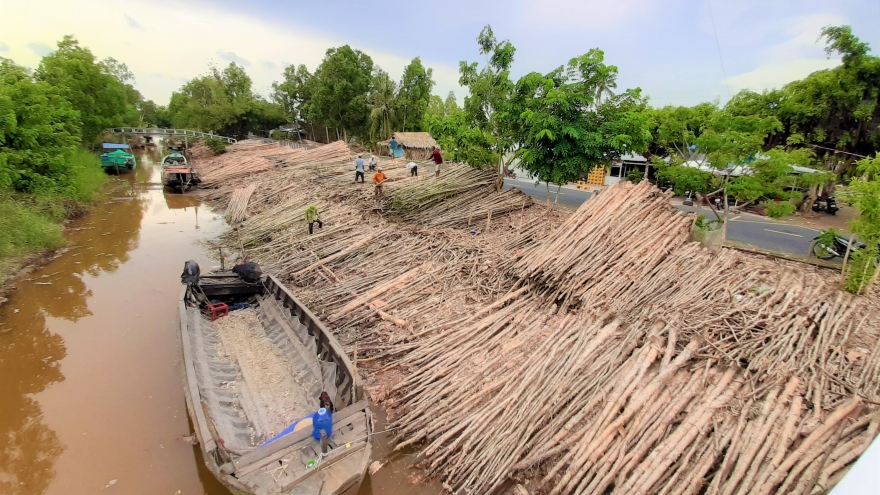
{"x":845,"y":260}
{"x":548,"y":192}
{"x":499,"y":181}
{"x":807,"y":205}
{"x":558,"y":188}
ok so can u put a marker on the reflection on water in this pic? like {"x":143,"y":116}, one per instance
{"x":28,"y":364}
{"x":90,"y":377}
{"x":91,"y":387}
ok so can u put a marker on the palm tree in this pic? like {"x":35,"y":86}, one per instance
{"x":383,"y":117}
{"x":606,"y":85}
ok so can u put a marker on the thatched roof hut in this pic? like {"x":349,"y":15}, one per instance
{"x":413,"y":145}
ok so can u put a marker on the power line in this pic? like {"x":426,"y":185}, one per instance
{"x":718,"y":46}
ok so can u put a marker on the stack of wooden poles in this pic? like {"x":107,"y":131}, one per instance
{"x":747,"y":385}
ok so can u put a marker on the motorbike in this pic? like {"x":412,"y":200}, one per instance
{"x":826,"y":203}
{"x":838,"y":249}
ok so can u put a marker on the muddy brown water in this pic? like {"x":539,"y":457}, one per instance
{"x":91,"y":397}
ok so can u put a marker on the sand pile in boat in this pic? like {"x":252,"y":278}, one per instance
{"x":271,"y":384}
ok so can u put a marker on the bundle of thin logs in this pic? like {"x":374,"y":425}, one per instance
{"x":236,"y":211}
{"x":734,"y":381}
{"x":228,"y":166}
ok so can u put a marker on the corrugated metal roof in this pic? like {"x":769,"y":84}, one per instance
{"x":633,"y":157}
{"x":115,"y":146}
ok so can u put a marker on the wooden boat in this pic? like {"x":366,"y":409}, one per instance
{"x":227,"y":395}
{"x":177,"y":174}
{"x":118,"y":161}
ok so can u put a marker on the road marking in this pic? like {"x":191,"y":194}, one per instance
{"x":786,"y":233}
{"x":739,"y":219}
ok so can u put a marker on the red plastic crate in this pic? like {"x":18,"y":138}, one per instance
{"x":217,"y":310}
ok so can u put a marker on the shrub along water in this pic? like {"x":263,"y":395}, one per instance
{"x":31,"y":222}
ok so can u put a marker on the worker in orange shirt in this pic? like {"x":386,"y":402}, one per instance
{"x":378,"y":179}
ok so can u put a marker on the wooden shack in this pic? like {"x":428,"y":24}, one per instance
{"x":412,"y":145}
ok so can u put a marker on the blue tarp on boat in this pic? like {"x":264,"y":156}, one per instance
{"x":115,"y":146}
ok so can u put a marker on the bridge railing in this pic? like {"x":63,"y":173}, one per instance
{"x":168,"y":132}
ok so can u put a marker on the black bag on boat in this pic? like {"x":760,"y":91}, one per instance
{"x":249,"y":272}
{"x":190,"y":273}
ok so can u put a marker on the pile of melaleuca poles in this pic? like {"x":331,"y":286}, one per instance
{"x":606,"y":354}
{"x":738,"y":381}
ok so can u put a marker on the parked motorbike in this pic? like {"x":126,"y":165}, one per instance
{"x":838,"y":249}
{"x":826,"y":203}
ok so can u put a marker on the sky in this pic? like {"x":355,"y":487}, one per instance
{"x":679,"y":52}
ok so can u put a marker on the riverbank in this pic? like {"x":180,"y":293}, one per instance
{"x":89,"y":350}
{"x":34,"y":226}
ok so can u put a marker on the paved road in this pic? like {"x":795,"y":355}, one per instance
{"x":750,"y":230}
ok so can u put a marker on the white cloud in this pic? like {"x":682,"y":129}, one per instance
{"x":793,"y":59}
{"x":40,"y":49}
{"x":171,"y":55}
{"x":132,"y":23}
{"x":3,"y":47}
{"x":587,"y":14}
{"x":776,"y":75}
{"x":232,"y":57}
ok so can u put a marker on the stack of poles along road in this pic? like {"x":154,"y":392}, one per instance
{"x":606,"y":354}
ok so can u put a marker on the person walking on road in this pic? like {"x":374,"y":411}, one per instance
{"x":438,"y":160}
{"x":359,"y":169}
{"x":413,"y":169}
{"x":378,"y":179}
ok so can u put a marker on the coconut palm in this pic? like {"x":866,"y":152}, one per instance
{"x":606,"y":85}
{"x":383,"y":118}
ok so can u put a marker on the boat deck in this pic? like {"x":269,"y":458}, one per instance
{"x":258,"y":371}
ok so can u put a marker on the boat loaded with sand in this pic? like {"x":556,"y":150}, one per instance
{"x":264,"y":380}
{"x":176,"y":172}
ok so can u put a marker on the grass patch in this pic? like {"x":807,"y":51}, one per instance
{"x":28,"y":225}
{"x":86,"y":176}
{"x":31,"y":223}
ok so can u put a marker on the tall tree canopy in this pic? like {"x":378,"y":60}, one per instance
{"x":837,"y":108}
{"x":223,"y":102}
{"x":340,"y":90}
{"x":413,"y":94}
{"x":489,"y":92}
{"x":294,"y":92}
{"x":91,"y":87}
{"x":565,"y":124}
{"x":39,"y":131}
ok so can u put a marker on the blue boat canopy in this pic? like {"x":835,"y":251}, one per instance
{"x":115,"y":146}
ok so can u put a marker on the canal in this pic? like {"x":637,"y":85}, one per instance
{"x":91,"y":390}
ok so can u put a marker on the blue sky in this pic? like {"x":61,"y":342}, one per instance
{"x":669,"y":49}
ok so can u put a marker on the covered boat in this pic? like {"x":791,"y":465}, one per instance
{"x":118,"y":161}
{"x":255,"y":381}
{"x":177,"y":174}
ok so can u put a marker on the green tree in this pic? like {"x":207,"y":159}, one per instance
{"x":100,"y":98}
{"x":293,"y":93}
{"x":489,"y":91}
{"x":341,"y":86}
{"x":383,"y":106}
{"x":39,"y":128}
{"x":562,"y":128}
{"x":863,"y":270}
{"x":223,"y":102}
{"x":413,"y":94}
{"x":674,"y":128}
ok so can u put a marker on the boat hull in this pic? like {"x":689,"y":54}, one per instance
{"x":180,"y":179}
{"x":342,"y":470}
